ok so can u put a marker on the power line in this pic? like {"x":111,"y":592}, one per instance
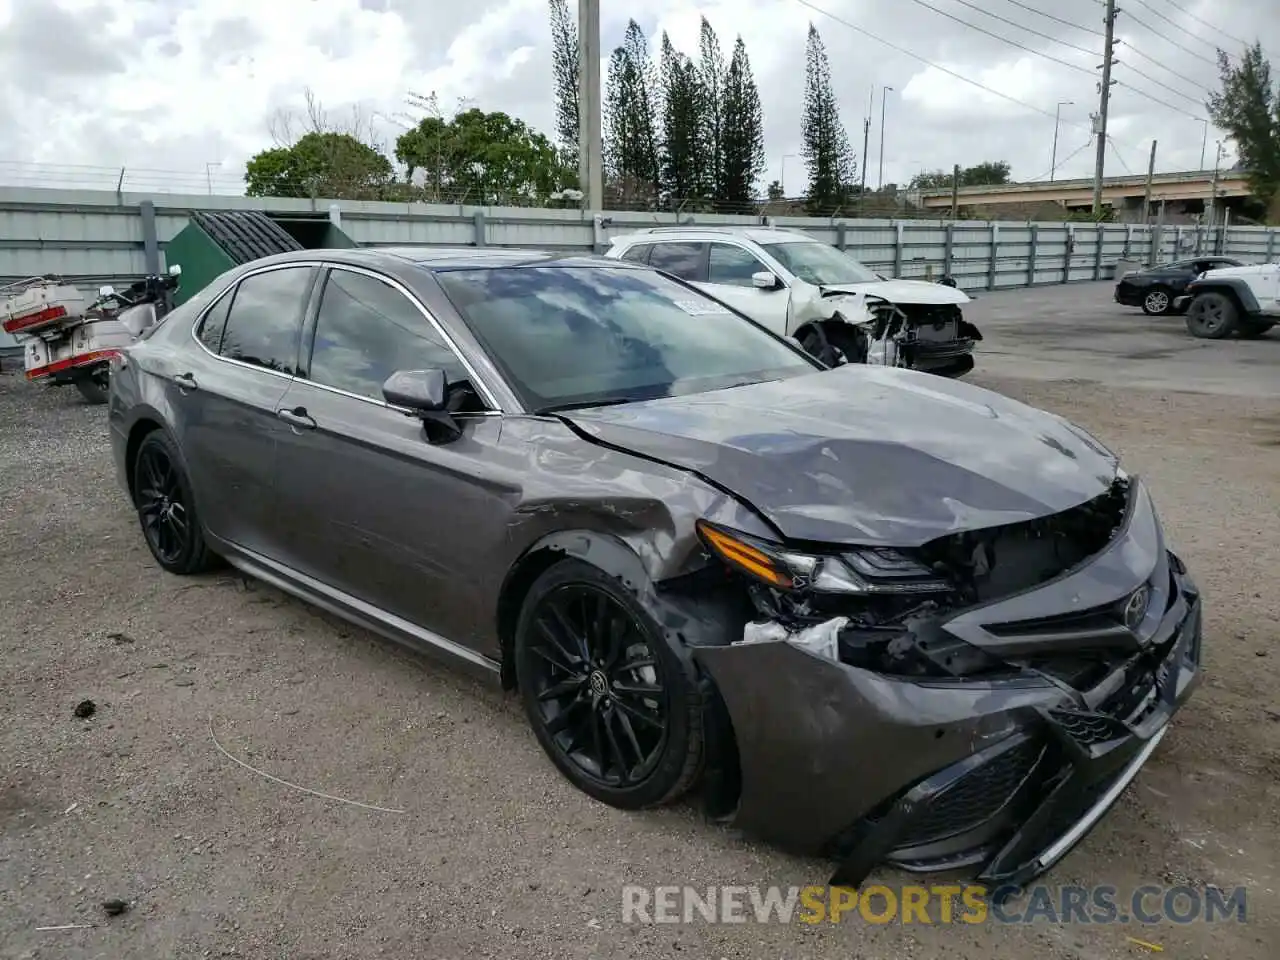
{"x":1163,"y":103}
{"x":1192,"y":16}
{"x":1059,"y":165}
{"x":1012,"y":43}
{"x":1164,"y":86}
{"x":1152,"y":60}
{"x":929,"y":63}
{"x":1175,"y":43}
{"x":1050,"y":16}
{"x":1119,"y":156}
{"x":1012,"y":23}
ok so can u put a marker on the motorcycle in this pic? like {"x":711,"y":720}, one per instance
{"x":66,"y":340}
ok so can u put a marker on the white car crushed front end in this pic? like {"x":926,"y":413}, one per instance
{"x":906,"y":323}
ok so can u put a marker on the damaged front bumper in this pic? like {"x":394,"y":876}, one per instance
{"x":1001,"y":776}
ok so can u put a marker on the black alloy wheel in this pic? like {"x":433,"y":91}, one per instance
{"x":609,"y":701}
{"x":166,"y":509}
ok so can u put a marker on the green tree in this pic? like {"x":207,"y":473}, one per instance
{"x":988,"y":173}
{"x":564,"y":66}
{"x":742,"y":142}
{"x":775,"y":191}
{"x":319,"y":164}
{"x":826,"y":151}
{"x":711,"y":81}
{"x":480,"y":157}
{"x":682,"y":125}
{"x":1247,"y":107}
{"x":631,"y":151}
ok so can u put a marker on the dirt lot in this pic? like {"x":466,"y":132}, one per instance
{"x":492,"y":854}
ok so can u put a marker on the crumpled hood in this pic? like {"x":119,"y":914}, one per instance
{"x":872,"y":455}
{"x":903,"y":291}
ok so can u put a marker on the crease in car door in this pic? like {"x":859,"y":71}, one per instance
{"x":230,"y":426}
{"x":373,"y":508}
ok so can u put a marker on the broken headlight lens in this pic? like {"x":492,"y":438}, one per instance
{"x":849,"y":570}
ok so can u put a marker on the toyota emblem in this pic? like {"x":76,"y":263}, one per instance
{"x":1135,"y":610}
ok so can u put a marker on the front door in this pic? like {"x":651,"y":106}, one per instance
{"x":373,"y":507}
{"x":729,"y":272}
{"x":1268,"y":289}
{"x":225,"y":401}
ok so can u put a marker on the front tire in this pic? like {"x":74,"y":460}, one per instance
{"x":166,"y":508}
{"x":1212,"y":316}
{"x":615,"y":708}
{"x":1158,"y":302}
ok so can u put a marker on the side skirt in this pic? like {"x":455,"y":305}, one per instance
{"x":357,"y":611}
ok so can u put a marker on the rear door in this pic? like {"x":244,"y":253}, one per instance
{"x":372,"y":507}
{"x":730,"y":268}
{"x":226,"y":402}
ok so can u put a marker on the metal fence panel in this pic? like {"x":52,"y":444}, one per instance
{"x":98,"y":236}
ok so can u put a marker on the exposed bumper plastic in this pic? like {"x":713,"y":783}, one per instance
{"x":1003,"y":776}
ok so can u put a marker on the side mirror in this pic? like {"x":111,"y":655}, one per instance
{"x":107,"y":291}
{"x":764,"y":280}
{"x":425,"y":394}
{"x":175,"y":270}
{"x":422,"y":391}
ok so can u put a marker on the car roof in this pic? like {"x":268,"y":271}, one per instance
{"x":707,"y":234}
{"x":437,"y":259}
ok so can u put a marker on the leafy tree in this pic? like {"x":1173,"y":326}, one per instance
{"x":484,"y":157}
{"x":682,"y":127}
{"x":775,"y":191}
{"x":631,"y":151}
{"x":979,"y":175}
{"x":564,"y":65}
{"x":742,"y":141}
{"x":711,"y":79}
{"x":1248,"y":108}
{"x":319,"y":164}
{"x":826,"y":151}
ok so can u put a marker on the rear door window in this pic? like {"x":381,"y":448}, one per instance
{"x":210,"y":332}
{"x":684,"y":260}
{"x":638,"y":254}
{"x":265,"y":322}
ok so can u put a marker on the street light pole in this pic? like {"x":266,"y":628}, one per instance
{"x":1204,"y":143}
{"x":590,"y":159}
{"x":1057,"y":117}
{"x":883,"y":100}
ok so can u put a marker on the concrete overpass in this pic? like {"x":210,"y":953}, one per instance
{"x":1125,"y":192}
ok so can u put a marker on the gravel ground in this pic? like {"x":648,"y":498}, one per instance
{"x":483,"y":850}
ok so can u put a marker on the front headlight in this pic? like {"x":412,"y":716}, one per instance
{"x":847,"y":570}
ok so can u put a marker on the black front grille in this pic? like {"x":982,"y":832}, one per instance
{"x":1088,"y":729}
{"x":974,"y":798}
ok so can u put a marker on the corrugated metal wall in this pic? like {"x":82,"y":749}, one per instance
{"x":97,"y":237}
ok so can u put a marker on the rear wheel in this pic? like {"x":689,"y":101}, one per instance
{"x":166,"y":507}
{"x":1212,"y":316}
{"x":1157,"y":302}
{"x":95,"y":385}
{"x":609,"y":700}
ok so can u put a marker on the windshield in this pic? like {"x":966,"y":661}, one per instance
{"x":818,"y":263}
{"x":582,"y":336}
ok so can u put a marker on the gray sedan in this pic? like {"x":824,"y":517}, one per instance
{"x":870,"y":613}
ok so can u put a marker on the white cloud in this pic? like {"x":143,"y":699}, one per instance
{"x":173,"y":85}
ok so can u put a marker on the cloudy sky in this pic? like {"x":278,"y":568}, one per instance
{"x":181,"y":93}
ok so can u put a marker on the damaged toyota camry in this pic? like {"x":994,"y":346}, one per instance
{"x":869,"y":613}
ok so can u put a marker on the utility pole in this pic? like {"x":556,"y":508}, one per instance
{"x":883,"y":99}
{"x":1213,"y":186}
{"x":866,"y":142}
{"x":1057,"y":118}
{"x":1151,"y":169}
{"x":1204,"y":143}
{"x":590,"y":145}
{"x":1104,"y":97}
{"x":955,"y":191}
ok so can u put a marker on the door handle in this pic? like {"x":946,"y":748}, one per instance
{"x":185,"y":381}
{"x":297,"y":417}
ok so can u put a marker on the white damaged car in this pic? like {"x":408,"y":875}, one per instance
{"x":798,"y":286}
